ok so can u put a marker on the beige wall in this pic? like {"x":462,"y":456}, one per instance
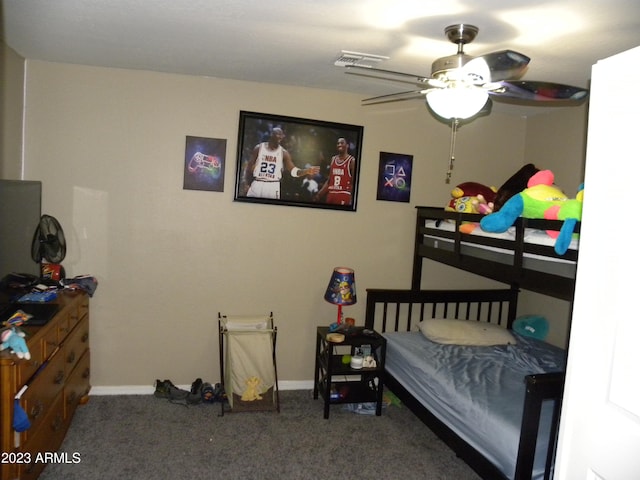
{"x":108,"y":145}
{"x":11,"y":106}
{"x":556,"y":140}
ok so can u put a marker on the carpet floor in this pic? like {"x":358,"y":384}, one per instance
{"x":142,"y":437}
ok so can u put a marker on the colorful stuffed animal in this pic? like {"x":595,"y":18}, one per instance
{"x":14,"y":341}
{"x":542,"y":199}
{"x":468,"y":196}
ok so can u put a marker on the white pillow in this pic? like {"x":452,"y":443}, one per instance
{"x":465,"y":332}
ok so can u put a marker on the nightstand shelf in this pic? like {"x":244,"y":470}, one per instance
{"x":337,"y":382}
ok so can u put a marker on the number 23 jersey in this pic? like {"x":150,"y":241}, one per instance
{"x":269,"y":164}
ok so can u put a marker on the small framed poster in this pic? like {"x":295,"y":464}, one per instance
{"x":204,"y":161}
{"x":394,"y":177}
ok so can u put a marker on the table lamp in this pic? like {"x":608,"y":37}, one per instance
{"x":341,"y":289}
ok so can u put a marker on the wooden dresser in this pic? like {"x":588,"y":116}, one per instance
{"x":58,"y":380}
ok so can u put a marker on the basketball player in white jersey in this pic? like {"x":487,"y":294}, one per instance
{"x":264,"y":170}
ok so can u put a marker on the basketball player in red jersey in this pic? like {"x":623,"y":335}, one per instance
{"x":338,"y":187}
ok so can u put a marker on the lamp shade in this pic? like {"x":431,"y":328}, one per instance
{"x":456,"y":102}
{"x":342,"y":287}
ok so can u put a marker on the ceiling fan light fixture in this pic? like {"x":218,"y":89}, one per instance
{"x":457,"y":102}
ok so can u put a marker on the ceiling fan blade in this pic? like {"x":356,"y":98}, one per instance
{"x":394,"y":97}
{"x":386,"y":74}
{"x":532,"y":92}
{"x":505,"y":64}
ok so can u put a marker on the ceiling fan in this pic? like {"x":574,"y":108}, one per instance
{"x":462,"y":87}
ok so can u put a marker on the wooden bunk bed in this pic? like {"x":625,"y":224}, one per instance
{"x":508,"y":258}
{"x":528,"y":450}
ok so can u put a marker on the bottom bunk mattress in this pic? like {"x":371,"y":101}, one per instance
{"x":477,"y":391}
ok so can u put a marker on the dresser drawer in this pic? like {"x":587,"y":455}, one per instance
{"x":51,"y":341}
{"x":78,"y":384}
{"x":26,"y":368}
{"x":75,"y":345}
{"x":47,"y":438}
{"x":81,"y":311}
{"x":40,"y":395}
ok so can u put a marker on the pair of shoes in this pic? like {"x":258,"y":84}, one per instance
{"x":195,"y":395}
{"x":212,"y":394}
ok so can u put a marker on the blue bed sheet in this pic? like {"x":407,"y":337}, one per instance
{"x":477,"y":391}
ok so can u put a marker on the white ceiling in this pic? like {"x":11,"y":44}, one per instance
{"x":295,"y":42}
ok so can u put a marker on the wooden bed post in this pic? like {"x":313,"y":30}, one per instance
{"x":513,"y":305}
{"x":540,"y":387}
{"x":416,"y":277}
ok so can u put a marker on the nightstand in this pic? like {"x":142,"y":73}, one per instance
{"x":338,"y":382}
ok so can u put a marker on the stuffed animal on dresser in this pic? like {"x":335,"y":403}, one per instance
{"x":13,"y":340}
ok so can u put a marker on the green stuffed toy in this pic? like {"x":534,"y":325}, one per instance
{"x":542,"y":199}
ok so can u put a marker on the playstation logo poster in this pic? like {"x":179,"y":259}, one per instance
{"x":394,"y":177}
{"x":204,"y":161}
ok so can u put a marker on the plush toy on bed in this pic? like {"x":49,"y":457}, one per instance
{"x":542,"y":199}
{"x":514,"y":185}
{"x":471,"y":197}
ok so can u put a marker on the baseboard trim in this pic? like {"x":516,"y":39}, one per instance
{"x":148,"y":390}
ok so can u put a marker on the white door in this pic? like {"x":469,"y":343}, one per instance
{"x":600,"y":423}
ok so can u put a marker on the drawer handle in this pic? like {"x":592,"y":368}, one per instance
{"x":59,"y":378}
{"x":85,"y":337}
{"x":72,"y":398}
{"x":57,"y":423}
{"x":71,"y":357}
{"x":37,"y":409}
{"x":86,"y":373}
{"x":51,"y":343}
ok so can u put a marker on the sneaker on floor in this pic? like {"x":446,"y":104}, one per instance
{"x":196,"y":386}
{"x":207,"y":393}
{"x":195,"y":395}
{"x":162,"y":388}
{"x":177,"y":394}
{"x":218,"y":393}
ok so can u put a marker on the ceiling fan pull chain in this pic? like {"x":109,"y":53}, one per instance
{"x":452,"y":157}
